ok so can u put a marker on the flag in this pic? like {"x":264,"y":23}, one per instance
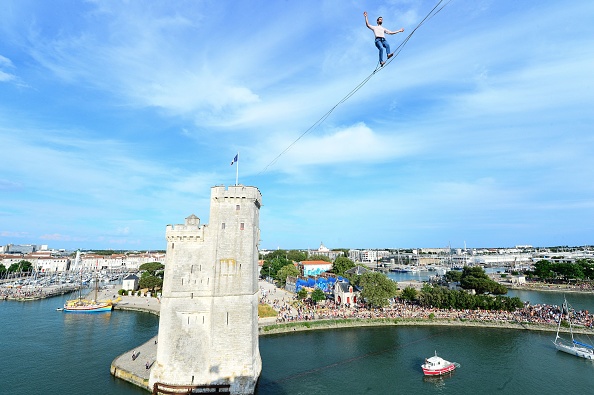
{"x":235,"y":159}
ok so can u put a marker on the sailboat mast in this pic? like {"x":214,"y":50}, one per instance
{"x":96,"y":286}
{"x":559,"y":324}
{"x":569,"y":320}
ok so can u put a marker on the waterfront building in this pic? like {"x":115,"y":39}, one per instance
{"x":345,"y":294}
{"x":325,"y":251}
{"x":208,"y":326}
{"x":20,"y":248}
{"x":368,"y":256}
{"x":313,"y":268}
{"x":130,"y":283}
{"x":45,"y":263}
{"x":49,"y":264}
{"x":121,"y":262}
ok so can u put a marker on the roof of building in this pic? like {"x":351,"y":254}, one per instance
{"x":344,"y":286}
{"x":131,"y":277}
{"x":358,"y":270}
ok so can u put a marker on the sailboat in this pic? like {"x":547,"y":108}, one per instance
{"x":81,"y":305}
{"x":582,"y":350}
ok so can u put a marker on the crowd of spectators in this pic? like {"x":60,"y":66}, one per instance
{"x":299,"y":310}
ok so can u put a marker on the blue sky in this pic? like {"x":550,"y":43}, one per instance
{"x":117,"y":117}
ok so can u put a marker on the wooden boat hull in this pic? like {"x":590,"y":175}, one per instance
{"x":89,"y":308}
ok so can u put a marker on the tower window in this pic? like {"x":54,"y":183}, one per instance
{"x":237,"y":207}
{"x":241,"y":226}
{"x":223,"y":225}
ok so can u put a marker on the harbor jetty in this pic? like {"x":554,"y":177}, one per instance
{"x":28,"y":293}
{"x":135,"y":365}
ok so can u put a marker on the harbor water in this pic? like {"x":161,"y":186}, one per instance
{"x":44,"y":351}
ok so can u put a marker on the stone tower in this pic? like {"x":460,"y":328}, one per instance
{"x":208,"y":325}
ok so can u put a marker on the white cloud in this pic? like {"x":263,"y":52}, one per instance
{"x":5,"y":64}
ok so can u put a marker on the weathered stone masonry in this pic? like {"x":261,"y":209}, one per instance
{"x":208,"y":327}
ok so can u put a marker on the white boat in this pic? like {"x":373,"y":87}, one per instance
{"x":582,"y":350}
{"x":437,"y":366}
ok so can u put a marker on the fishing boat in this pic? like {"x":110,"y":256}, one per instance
{"x":582,"y":350}
{"x":437,"y":366}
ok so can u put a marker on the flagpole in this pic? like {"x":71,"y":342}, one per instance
{"x":237,"y":170}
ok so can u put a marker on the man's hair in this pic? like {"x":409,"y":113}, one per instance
{"x":378,"y":18}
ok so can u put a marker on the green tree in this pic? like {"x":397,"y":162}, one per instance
{"x":21,"y":266}
{"x":153,"y":268}
{"x":453,"y":276}
{"x":150,"y":281}
{"x":284,"y":272}
{"x":318,"y":295}
{"x":476,"y":278}
{"x":587,"y":267}
{"x":273,"y":264}
{"x":377,"y":289}
{"x":302,"y":294}
{"x":543,"y":269}
{"x":319,"y":258}
{"x":568,"y":271}
{"x":275,"y":254}
{"x":409,"y":293}
{"x":3,"y":268}
{"x":342,"y":264}
{"x":443,"y":298}
{"x":498,"y":289}
{"x":296,"y":255}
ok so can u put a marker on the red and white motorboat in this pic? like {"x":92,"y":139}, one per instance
{"x":437,"y":366}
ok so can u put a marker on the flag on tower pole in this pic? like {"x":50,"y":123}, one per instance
{"x":236,"y":160}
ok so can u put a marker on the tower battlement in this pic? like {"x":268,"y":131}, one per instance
{"x":236,"y":192}
{"x":189,"y":231}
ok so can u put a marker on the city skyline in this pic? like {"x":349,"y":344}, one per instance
{"x":117,"y":118}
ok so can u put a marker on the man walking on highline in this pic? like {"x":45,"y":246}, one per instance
{"x":380,"y":40}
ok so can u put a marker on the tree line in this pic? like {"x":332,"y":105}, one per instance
{"x":582,"y":269}
{"x":17,"y":267}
